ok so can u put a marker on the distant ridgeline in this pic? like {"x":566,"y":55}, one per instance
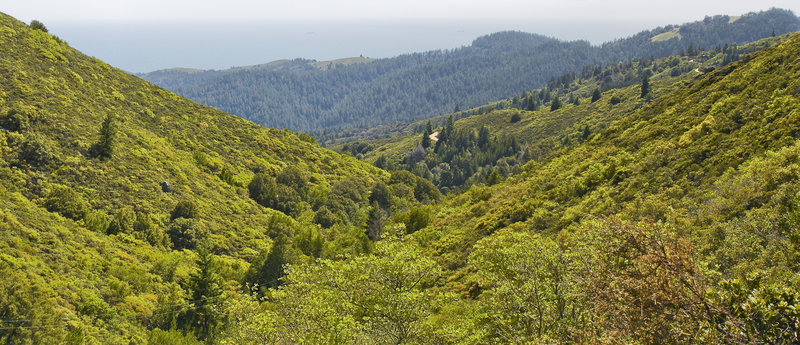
{"x":326,"y":98}
{"x":488,"y":143}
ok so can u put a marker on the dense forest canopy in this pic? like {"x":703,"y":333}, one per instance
{"x":325,"y":99}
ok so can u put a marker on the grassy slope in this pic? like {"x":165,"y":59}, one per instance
{"x":63,"y":97}
{"x":685,"y":157}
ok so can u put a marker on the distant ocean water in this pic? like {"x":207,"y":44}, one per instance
{"x":149,"y":46}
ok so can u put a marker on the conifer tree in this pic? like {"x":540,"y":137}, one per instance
{"x":105,"y":146}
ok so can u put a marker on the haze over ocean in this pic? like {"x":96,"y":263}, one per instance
{"x":148,"y":46}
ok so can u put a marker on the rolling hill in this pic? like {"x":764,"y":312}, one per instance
{"x":299,"y":96}
{"x":129,"y":214}
{"x":111,"y":188}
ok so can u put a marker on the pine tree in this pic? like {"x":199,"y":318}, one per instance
{"x":105,"y":146}
{"x":206,"y":288}
{"x":426,"y":136}
{"x":596,"y":95}
{"x":555,"y":104}
{"x":645,"y":86}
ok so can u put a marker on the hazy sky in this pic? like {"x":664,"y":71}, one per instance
{"x":139,"y":10}
{"x":146,"y":35}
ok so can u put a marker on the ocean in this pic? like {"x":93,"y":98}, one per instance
{"x":148,"y":46}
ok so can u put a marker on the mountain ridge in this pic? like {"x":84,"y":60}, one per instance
{"x":417,"y":86}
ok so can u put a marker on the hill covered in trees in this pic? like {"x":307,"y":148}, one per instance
{"x":131,"y":215}
{"x":490,"y":142}
{"x":673,"y":221}
{"x":324,"y":101}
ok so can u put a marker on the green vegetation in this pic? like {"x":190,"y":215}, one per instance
{"x":672,"y":218}
{"x":337,"y":101}
{"x":125,"y":212}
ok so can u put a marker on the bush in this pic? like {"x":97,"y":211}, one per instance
{"x":262,"y":189}
{"x":324,"y":217}
{"x":67,"y":202}
{"x":186,"y":233}
{"x":184,"y":209}
{"x":515,"y":118}
{"x":417,"y":218}
{"x":293,"y":177}
{"x":37,"y":25}
{"x":615,"y":100}
{"x":122,"y":222}
{"x":37,"y":151}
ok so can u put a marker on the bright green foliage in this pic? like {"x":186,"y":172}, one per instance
{"x":531,"y":288}
{"x":171,"y":337}
{"x":380,"y":298}
{"x":122,"y":222}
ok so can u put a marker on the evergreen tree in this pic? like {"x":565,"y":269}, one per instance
{"x":426,"y":136}
{"x":645,"y":86}
{"x":596,"y":95}
{"x":206,"y":287}
{"x":555,"y":104}
{"x":105,"y":146}
{"x":268,"y":272}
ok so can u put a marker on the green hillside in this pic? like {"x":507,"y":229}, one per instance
{"x":111,"y":186}
{"x":298,"y":95}
{"x":673,"y":219}
{"x":587,"y":102}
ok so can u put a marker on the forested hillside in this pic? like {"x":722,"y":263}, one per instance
{"x":324,"y":101}
{"x":674,"y":222}
{"x":130,"y":215}
{"x":488,"y":143}
{"x":125,"y":208}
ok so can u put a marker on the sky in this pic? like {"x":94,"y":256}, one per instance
{"x":193,"y":10}
{"x":146,"y":35}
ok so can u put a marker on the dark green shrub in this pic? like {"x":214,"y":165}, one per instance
{"x":262,"y":189}
{"x":324,"y":217}
{"x":186,"y":233}
{"x":67,"y":202}
{"x":515,"y":118}
{"x":184,"y":209}
{"x":15,"y":120}
{"x":417,"y":218}
{"x":596,"y":95}
{"x":381,"y":194}
{"x":286,"y":199}
{"x":615,"y":100}
{"x":37,"y":25}
{"x":293,"y":177}
{"x":37,"y":151}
